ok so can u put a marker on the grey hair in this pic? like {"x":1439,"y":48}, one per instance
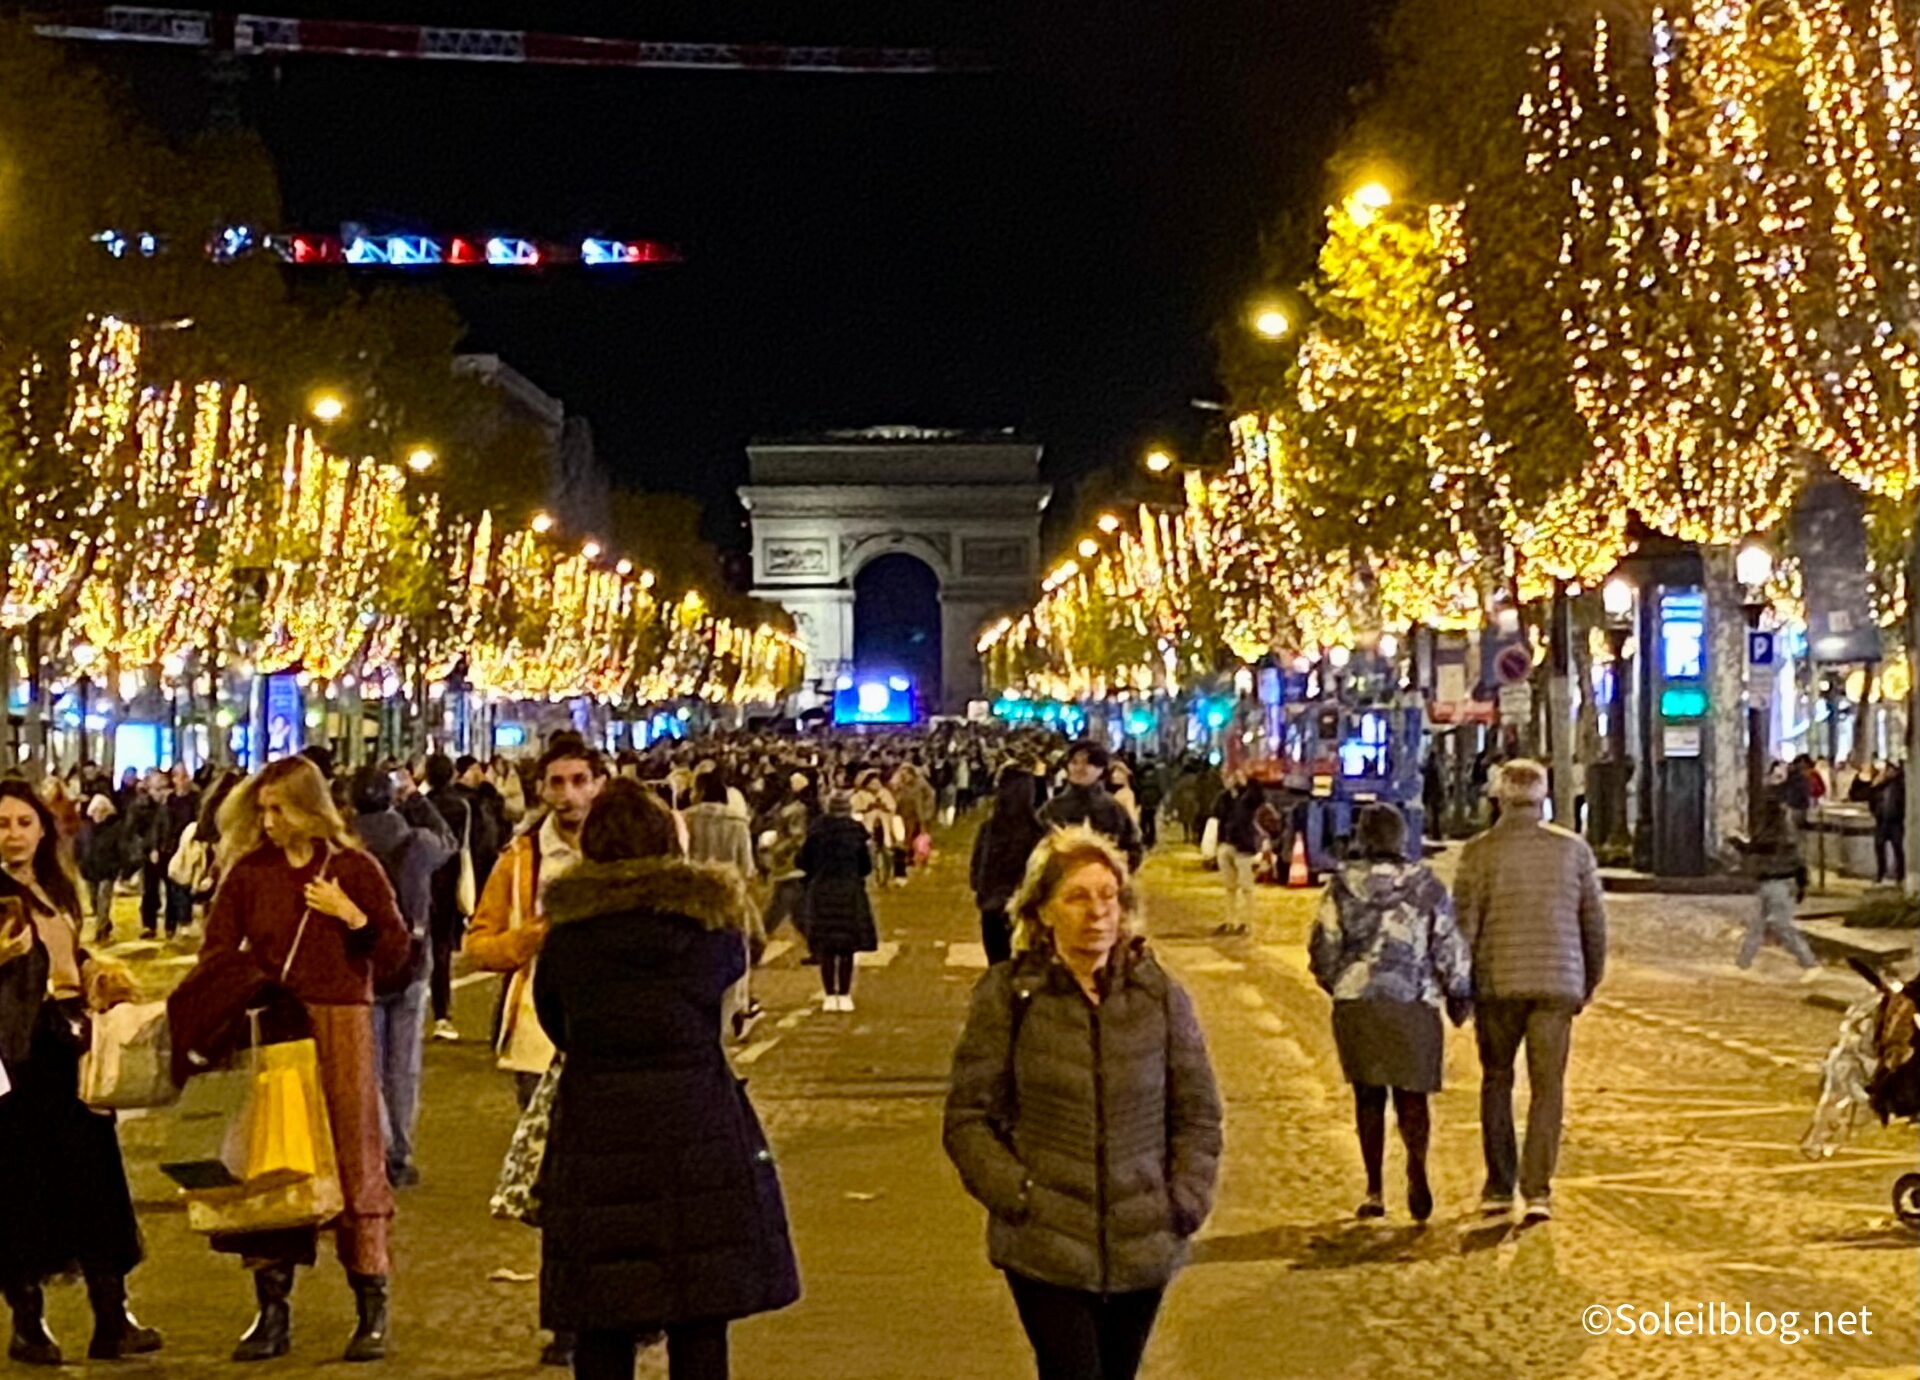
{"x":1522,"y":781}
{"x":1052,"y":858}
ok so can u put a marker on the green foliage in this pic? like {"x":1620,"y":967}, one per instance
{"x":1889,"y":910}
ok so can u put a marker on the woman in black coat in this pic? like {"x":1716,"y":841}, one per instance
{"x":837,"y":858}
{"x":64,"y":1201}
{"x":660,"y":1207}
{"x":1000,"y":853}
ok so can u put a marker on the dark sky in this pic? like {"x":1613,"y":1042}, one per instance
{"x":1046,"y":247}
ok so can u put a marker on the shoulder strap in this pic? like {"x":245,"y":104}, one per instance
{"x":1022,"y":1001}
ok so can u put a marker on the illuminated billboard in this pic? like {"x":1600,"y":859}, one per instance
{"x":873,"y":699}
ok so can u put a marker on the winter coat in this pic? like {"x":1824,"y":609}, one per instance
{"x":1095,"y":807}
{"x":1531,"y":910}
{"x":659,"y":1199}
{"x":1385,"y":931}
{"x":410,"y":849}
{"x":1238,"y":813}
{"x":1091,"y":1134}
{"x":109,"y":853}
{"x":716,"y":834}
{"x":1888,"y":801}
{"x":837,"y":857}
{"x":1000,"y":853}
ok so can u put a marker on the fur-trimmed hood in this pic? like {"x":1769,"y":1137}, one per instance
{"x":713,"y":896}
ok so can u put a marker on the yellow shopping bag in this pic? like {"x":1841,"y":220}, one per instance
{"x":281,"y":1147}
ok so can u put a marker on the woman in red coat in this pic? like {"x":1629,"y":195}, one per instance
{"x":318,"y":914}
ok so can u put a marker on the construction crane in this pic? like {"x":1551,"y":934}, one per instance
{"x":253,"y":35}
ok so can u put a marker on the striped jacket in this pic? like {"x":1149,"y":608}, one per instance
{"x":1531,"y":911}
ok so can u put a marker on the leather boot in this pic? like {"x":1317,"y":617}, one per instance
{"x":369,"y":1341}
{"x":272,"y":1331}
{"x":32,"y":1344}
{"x":116,"y":1332}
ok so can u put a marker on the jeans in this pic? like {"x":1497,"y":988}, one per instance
{"x":1774,"y":915}
{"x":179,"y":907}
{"x":695,"y":1351}
{"x":103,"y":908}
{"x":1084,"y":1336}
{"x":399,"y":1035}
{"x":996,"y":935}
{"x":1546,"y":1026}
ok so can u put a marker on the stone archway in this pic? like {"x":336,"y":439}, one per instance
{"x":967,"y":506}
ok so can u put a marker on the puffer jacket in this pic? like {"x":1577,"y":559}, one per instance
{"x":1531,"y":910}
{"x":660,"y":1203}
{"x":1091,"y":1134}
{"x":1385,"y":931}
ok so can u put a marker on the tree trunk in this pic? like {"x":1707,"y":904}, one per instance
{"x":1726,"y":722}
{"x":1560,"y":706}
{"x":1913,"y":704}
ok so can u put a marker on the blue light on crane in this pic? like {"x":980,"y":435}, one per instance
{"x":362,"y":250}
{"x":512,"y":253}
{"x":414,"y":250}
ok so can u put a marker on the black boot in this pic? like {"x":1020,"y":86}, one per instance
{"x":116,"y":1332}
{"x":32,"y":1344}
{"x":272,"y":1331}
{"x":369,"y":1341}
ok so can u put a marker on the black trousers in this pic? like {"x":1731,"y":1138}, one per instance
{"x":1081,"y":1336}
{"x":1890,"y":852}
{"x":444,"y":931}
{"x":996,"y":935}
{"x":696,"y":1351}
{"x":836,"y":972}
{"x":153,"y":893}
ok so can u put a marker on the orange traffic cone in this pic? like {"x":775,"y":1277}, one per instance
{"x":1297,"y":873}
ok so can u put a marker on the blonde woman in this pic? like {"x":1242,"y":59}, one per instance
{"x":1083,"y":1114}
{"x":317,"y":912}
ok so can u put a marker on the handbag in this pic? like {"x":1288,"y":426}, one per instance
{"x":1210,"y":841}
{"x":284,"y":1123}
{"x":524,"y":1046}
{"x":129,"y":1059}
{"x":465,"y":890}
{"x":517,"y":1196}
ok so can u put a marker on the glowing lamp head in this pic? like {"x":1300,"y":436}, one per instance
{"x":874,"y":698}
{"x":1339,"y":657}
{"x":1389,"y":646}
{"x":1108,"y":523}
{"x":1367,"y":202}
{"x":1089,"y":548}
{"x":1272,"y":324}
{"x":420,"y":459}
{"x":1616,"y":596}
{"x":1754,"y":565}
{"x":623,"y":566}
{"x":85,"y":654}
{"x":1159,"y":462}
{"x":591,"y":550}
{"x":327,"y":407}
{"x":646,"y":579}
{"x":542,"y":523}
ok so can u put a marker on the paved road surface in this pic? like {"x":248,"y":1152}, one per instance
{"x":1680,"y":1181}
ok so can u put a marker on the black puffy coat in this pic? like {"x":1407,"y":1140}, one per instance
{"x":837,"y":857}
{"x":659,"y":1199}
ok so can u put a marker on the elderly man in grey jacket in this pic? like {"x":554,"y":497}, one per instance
{"x":1531,"y":911}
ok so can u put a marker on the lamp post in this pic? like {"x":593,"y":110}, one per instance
{"x":84,"y":655}
{"x":1753,"y":567}
{"x":1617,"y":598}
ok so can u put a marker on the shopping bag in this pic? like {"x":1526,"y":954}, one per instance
{"x":524,"y":1046}
{"x":517,"y":1196}
{"x":285,"y":1076}
{"x":129,"y":1059}
{"x":280,"y":1146}
{"x":922,"y":847}
{"x":1210,"y":840}
{"x":466,"y":895}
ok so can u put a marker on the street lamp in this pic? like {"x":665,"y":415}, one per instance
{"x":542,"y":523}
{"x":1367,"y":202}
{"x":1108,"y":523}
{"x":1617,"y":597}
{"x":623,"y":566}
{"x":327,"y":406}
{"x":1272,"y":324}
{"x":1753,"y":567}
{"x":590,"y":549}
{"x":421,"y":459}
{"x":1159,"y":462}
{"x":1088,"y":548}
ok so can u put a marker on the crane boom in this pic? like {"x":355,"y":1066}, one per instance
{"x":253,"y":35}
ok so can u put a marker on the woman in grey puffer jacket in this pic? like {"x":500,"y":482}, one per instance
{"x":1083,"y":1114}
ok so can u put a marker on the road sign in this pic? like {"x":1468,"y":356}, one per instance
{"x":1516,"y":703}
{"x":1513,"y":664}
{"x":1762,"y":667}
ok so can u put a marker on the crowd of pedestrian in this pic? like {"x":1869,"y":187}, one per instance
{"x":625,"y":900}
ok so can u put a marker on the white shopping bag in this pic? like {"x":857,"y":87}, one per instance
{"x":129,"y":1059}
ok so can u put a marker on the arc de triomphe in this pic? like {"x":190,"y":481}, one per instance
{"x":967,"y":506}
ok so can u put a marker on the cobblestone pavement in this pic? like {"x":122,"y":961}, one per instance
{"x":1680,"y":1181}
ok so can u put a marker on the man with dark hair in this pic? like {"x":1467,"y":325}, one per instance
{"x":409,"y":848}
{"x":491,"y":827}
{"x":1087,"y":801}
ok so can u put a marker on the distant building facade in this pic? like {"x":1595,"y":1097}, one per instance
{"x":576,"y":485}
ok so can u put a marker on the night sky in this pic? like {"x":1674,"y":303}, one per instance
{"x":1047,"y":247}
